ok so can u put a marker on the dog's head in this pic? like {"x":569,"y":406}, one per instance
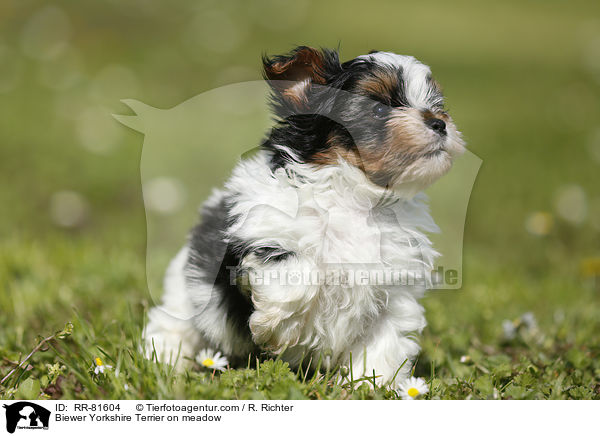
{"x":381,"y":112}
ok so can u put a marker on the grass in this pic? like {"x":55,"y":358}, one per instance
{"x":97,"y":309}
{"x":521,"y":83}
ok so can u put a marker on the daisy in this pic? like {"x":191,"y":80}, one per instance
{"x":100,"y":366}
{"x":509,"y":329}
{"x":207,"y":358}
{"x":413,"y":387}
{"x":528,"y":320}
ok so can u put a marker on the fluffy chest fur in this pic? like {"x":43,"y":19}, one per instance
{"x":328,"y":213}
{"x":335,"y":240}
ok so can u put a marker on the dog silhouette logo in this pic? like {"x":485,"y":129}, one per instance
{"x":26,"y":415}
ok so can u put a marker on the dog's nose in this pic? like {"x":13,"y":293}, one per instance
{"x":436,"y":125}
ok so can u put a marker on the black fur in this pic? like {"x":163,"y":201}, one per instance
{"x":215,"y":262}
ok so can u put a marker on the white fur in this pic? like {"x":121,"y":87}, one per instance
{"x":325,"y":216}
{"x":170,"y":332}
{"x":414,"y":72}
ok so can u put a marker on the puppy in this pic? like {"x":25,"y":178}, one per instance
{"x":288,"y":258}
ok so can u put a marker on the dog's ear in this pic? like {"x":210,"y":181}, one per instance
{"x":292,"y":76}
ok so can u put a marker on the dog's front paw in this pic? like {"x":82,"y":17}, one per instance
{"x":169,"y":340}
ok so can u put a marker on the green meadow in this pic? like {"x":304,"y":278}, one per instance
{"x":522,"y":81}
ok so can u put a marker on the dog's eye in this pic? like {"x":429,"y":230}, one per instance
{"x":380,"y":111}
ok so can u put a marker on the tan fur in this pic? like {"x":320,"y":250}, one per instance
{"x":382,"y":83}
{"x":407,"y":140}
{"x":294,"y":76}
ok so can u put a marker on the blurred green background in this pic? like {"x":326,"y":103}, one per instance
{"x":521,"y":80}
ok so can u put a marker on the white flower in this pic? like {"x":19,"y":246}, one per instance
{"x":100,"y":366}
{"x":509,"y":329}
{"x":525,"y":324}
{"x":209,"y":359}
{"x":412,"y":387}
{"x":528,"y":319}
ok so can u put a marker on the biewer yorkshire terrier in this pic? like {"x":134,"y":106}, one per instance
{"x":336,"y":186}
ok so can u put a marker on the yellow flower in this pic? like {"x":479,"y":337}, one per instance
{"x":207,"y":358}
{"x":590,"y":267}
{"x":100,"y":366}
{"x":412,"y":388}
